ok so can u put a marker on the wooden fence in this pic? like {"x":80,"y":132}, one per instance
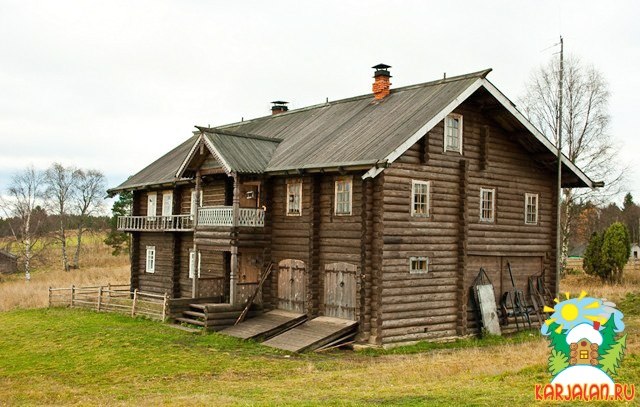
{"x":111,"y":298}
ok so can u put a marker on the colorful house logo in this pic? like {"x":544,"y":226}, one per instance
{"x":587,"y":347}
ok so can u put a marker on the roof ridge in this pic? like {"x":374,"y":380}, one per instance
{"x":479,"y":74}
{"x":215,"y":130}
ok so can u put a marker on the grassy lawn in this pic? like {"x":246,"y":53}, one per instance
{"x":61,"y":356}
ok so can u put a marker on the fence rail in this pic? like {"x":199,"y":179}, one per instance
{"x":111,"y":298}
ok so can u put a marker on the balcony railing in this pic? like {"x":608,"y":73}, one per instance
{"x":207,"y":216}
{"x":223,"y":216}
{"x":157,"y":223}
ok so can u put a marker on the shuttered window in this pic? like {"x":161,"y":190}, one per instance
{"x":343,"y":194}
{"x":487,"y":204}
{"x":193,"y":264}
{"x":151,"y":259}
{"x":453,"y":133}
{"x":531,"y":209}
{"x":418,"y":265}
{"x":420,"y":204}
{"x":152,"y":205}
{"x":294,"y":199}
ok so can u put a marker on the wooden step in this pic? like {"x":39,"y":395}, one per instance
{"x":194,"y":314}
{"x":185,"y":328}
{"x":198,"y":306}
{"x":191,"y":321}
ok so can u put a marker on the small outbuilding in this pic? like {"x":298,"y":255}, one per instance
{"x":8,"y":262}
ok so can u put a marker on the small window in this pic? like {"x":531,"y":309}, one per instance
{"x":487,"y":204}
{"x":167,"y":203}
{"x":343,"y":196}
{"x":531,"y":209}
{"x":418,"y":265}
{"x":420,"y":204}
{"x":584,"y":354}
{"x":453,"y":133}
{"x":294,"y":199}
{"x":192,"y":263}
{"x":151,"y":259}
{"x":152,"y":202}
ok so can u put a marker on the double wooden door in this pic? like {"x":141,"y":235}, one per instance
{"x":291,"y":285}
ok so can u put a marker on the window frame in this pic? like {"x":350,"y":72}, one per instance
{"x":460,"y":133}
{"x":526,"y":208}
{"x":347,"y":181}
{"x":288,"y":212}
{"x":192,"y":204}
{"x":167,"y":196}
{"x":150,"y":260}
{"x":152,"y":197}
{"x":192,"y":264}
{"x":492,"y":219}
{"x":413,"y":259}
{"x":427,"y":214}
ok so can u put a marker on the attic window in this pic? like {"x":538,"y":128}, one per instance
{"x":294,"y":199}
{"x":453,"y":133}
{"x":343,"y":196}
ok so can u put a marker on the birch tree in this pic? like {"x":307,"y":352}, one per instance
{"x":585,"y":124}
{"x":23,"y":199}
{"x":60,"y":184}
{"x":89,"y":190}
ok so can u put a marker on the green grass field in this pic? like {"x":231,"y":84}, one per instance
{"x":62,"y":356}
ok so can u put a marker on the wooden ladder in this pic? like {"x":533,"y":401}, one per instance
{"x":250,"y":300}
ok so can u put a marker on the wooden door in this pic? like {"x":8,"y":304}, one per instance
{"x":291,"y":285}
{"x":340,"y":290}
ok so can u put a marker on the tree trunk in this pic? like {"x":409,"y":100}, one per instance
{"x":63,"y":240}
{"x":76,"y":256}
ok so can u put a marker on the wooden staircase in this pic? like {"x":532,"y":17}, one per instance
{"x":213,"y":316}
{"x":195,"y":315}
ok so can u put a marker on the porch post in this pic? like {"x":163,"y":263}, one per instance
{"x":233,"y":275}
{"x":194,"y":282}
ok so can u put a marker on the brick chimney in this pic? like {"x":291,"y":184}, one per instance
{"x":381,"y":84}
{"x":279,"y":106}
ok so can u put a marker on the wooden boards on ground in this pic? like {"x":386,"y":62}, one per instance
{"x":488,"y":309}
{"x":313,"y":334}
{"x":266,"y":325}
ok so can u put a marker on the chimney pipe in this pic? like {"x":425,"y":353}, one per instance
{"x":381,"y":84}
{"x":279,"y":106}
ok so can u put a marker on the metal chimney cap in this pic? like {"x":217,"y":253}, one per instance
{"x":279,"y":102}
{"x":381,"y":66}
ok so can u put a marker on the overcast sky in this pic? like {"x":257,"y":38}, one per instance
{"x":113,"y":85}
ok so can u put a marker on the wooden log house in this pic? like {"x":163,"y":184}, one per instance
{"x":379,"y":208}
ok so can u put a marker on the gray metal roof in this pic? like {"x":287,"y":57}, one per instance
{"x":241,"y":153}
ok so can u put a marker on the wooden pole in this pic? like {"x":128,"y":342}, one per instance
{"x":135,"y":301}
{"x":73,"y":294}
{"x":559,"y":211}
{"x":99,"y":298}
{"x":194,"y":282}
{"x":49,"y":296}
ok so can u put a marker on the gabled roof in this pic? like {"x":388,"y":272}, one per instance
{"x":358,"y":132}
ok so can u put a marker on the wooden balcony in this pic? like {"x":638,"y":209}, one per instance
{"x":212,"y":216}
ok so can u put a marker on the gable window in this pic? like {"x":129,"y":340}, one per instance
{"x":294,"y":199}
{"x":152,"y":203}
{"x":418,"y":265}
{"x":151,"y":259}
{"x":343,"y":196}
{"x":420,"y":204}
{"x":487,"y":204}
{"x":194,"y":264}
{"x":531,"y":209}
{"x":167,"y":203}
{"x":453,"y":133}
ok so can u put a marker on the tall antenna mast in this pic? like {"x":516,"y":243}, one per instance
{"x":559,"y":231}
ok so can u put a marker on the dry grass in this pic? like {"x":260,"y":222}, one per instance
{"x":578,"y":281}
{"x":97,"y":267}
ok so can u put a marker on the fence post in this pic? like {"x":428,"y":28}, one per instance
{"x":99,"y":298}
{"x":49,"y":296}
{"x":109,"y":289}
{"x":73,"y":294}
{"x":164,"y":306}
{"x":135,"y":300}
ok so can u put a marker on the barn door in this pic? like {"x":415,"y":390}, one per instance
{"x":340,"y":290}
{"x":291,"y":285}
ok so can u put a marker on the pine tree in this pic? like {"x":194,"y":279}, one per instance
{"x":558,"y":361}
{"x":608,"y":336}
{"x":558,"y":340}
{"x":610,"y":361}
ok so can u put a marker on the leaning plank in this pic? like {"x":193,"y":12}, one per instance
{"x":266,"y":325}
{"x":312,"y":334}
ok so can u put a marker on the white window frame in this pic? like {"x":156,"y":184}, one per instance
{"x":347,"y":181}
{"x":418,"y":259}
{"x":150,"y":260}
{"x":290,"y":186}
{"x":192,"y":260}
{"x":152,"y":205}
{"x":527,"y":196}
{"x":167,"y":203}
{"x":192,"y":210}
{"x":446,"y":128}
{"x":493,"y":205}
{"x":427,"y":202}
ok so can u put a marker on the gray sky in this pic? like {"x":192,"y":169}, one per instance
{"x":114,"y":85}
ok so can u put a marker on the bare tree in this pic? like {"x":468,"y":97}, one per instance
{"x":23,"y":199}
{"x":90,"y":188}
{"x":586,"y":141}
{"x":61,"y":182}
